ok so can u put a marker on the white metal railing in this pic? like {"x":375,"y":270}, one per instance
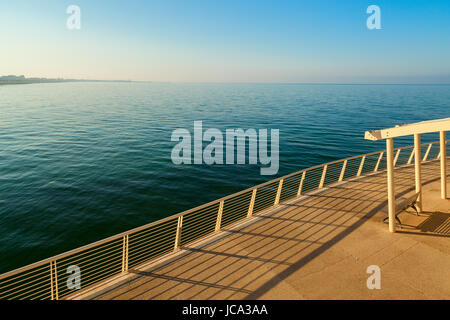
{"x":106,"y":258}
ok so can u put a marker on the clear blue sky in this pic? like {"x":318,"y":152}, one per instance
{"x":228,"y":41}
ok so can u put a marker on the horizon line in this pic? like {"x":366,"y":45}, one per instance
{"x":61,"y":79}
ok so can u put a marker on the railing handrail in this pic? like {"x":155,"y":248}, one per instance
{"x":183,"y":213}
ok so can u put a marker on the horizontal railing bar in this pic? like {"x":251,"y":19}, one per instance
{"x":31,"y":291}
{"x":144,"y":260}
{"x":102,"y":265}
{"x":88,"y":262}
{"x":134,"y":244}
{"x":149,"y":232}
{"x":201,"y":217}
{"x":154,"y":253}
{"x":230,"y":207}
{"x":42,"y":272}
{"x":40,"y":280}
{"x":18,"y":280}
{"x":148,"y":249}
{"x":155,"y":241}
{"x":201,"y":229}
{"x":88,"y":255}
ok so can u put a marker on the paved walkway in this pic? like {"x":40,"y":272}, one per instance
{"x":315,"y":247}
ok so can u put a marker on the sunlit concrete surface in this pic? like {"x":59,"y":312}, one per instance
{"x":314,"y":247}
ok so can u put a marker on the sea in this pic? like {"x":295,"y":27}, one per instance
{"x":81,"y":161}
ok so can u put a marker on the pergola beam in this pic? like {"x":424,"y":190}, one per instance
{"x":409,"y":129}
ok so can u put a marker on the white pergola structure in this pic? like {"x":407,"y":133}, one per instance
{"x":416,"y":129}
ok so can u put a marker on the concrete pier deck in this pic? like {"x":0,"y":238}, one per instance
{"x":316,"y":246}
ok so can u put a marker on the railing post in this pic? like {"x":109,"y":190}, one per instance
{"x":412,"y":154}
{"x":378,"y":162}
{"x":277,"y":197}
{"x":427,"y":152}
{"x":396,"y":156}
{"x":361,"y":166}
{"x":341,"y":176}
{"x":178,"y":234}
{"x":51,"y":281}
{"x":219,"y":216}
{"x":443,"y":166}
{"x":125,"y":253}
{"x":56,"y":280}
{"x":300,"y":186}
{"x":252,"y":203}
{"x":322,"y":178}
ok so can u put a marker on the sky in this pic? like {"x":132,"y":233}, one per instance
{"x":228,"y":41}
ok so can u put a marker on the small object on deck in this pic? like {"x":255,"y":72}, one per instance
{"x":401,"y":204}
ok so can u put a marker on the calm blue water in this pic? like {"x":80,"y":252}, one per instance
{"x":83,"y":161}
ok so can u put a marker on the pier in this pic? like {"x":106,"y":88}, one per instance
{"x":315,"y":247}
{"x":312,"y":234}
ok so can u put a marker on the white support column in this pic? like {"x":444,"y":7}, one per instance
{"x":443,"y":166}
{"x":390,"y":182}
{"x":418,"y":170}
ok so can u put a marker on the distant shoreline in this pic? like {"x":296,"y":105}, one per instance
{"x":56,"y":81}
{"x":256,"y":83}
{"x":13,"y":79}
